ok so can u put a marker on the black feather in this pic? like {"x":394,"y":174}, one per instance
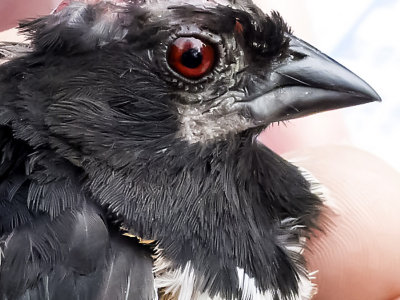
{"x":74,"y":257}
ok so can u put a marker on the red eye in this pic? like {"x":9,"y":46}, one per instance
{"x":191,"y":57}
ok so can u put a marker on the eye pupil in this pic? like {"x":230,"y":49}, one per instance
{"x":192,"y":58}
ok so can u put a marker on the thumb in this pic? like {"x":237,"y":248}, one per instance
{"x":357,"y":256}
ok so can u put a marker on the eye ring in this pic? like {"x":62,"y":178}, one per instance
{"x":191,"y":57}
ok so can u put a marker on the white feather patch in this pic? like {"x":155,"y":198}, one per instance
{"x":183,"y":284}
{"x":250,"y":292}
{"x":317,"y":188}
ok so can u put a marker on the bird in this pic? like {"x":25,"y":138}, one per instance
{"x":130,"y":166}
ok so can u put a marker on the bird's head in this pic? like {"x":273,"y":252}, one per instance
{"x":194,"y":71}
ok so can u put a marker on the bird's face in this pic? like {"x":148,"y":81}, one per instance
{"x":193,"y":71}
{"x":231,"y":68}
{"x":262,"y":73}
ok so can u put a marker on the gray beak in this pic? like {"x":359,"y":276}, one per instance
{"x":307,"y":82}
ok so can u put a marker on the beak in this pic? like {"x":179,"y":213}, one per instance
{"x":307,"y":82}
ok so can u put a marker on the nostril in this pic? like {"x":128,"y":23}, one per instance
{"x":294,"y":55}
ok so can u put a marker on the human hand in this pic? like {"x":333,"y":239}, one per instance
{"x":357,"y":255}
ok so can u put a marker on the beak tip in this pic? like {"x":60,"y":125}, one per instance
{"x":377,"y":98}
{"x":372,"y":95}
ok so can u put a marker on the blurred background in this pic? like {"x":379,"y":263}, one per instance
{"x":361,"y":34}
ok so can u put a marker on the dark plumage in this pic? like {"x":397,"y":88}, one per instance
{"x":101,"y":139}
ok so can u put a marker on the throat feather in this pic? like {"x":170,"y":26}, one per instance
{"x":199,"y":124}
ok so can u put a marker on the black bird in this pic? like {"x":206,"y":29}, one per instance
{"x":129,"y":162}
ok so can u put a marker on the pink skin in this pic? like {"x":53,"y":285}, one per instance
{"x":11,"y":11}
{"x":357,"y":256}
{"x":312,"y":131}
